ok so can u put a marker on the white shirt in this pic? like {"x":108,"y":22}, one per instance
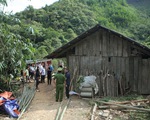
{"x":32,"y":69}
{"x":40,"y":68}
{"x":43,"y":72}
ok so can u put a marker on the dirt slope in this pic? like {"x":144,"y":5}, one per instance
{"x":44,"y":107}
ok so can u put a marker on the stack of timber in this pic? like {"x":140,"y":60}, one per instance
{"x":87,"y":92}
{"x":112,"y":109}
{"x":26,"y":98}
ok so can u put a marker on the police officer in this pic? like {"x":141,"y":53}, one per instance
{"x":60,"y":82}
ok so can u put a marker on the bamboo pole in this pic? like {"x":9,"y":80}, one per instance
{"x":74,"y":73}
{"x":93,"y":112}
{"x":124,"y":106}
{"x":58,"y":112}
{"x":24,"y":109}
{"x":64,"y":110}
{"x":134,"y":101}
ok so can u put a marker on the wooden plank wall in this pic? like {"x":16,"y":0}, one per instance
{"x":103,"y":51}
{"x":144,"y":83}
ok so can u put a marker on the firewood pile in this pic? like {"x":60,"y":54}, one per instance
{"x":112,"y":110}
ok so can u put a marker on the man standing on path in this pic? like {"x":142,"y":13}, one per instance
{"x":67,"y":75}
{"x":59,"y":81}
{"x":49,"y":74}
{"x":43,"y":73}
{"x":37,"y":76}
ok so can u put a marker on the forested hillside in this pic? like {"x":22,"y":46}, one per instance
{"x":141,"y":5}
{"x":52,"y":26}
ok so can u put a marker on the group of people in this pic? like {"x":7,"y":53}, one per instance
{"x":38,"y":73}
{"x":61,"y":79}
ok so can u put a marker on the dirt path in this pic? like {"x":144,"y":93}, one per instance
{"x":44,"y":107}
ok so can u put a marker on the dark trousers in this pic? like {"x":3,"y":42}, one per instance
{"x":42,"y":78}
{"x":67,"y":91}
{"x":49,"y":78}
{"x":37,"y":82}
{"x":27,"y":79}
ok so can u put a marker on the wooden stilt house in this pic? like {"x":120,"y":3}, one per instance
{"x":119,"y":63}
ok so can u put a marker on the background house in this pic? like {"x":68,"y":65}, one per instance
{"x":120,"y":64}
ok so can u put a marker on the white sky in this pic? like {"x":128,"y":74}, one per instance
{"x":20,"y":5}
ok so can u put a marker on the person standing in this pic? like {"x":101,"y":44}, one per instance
{"x":37,"y":77}
{"x":67,"y":75}
{"x":49,"y":74}
{"x":32,"y":70}
{"x":59,"y":79}
{"x":27,"y":74}
{"x":43,"y":73}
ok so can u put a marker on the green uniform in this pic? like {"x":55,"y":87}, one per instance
{"x":60,"y":78}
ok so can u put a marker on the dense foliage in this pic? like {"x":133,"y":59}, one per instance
{"x":52,"y":26}
{"x":14,"y":49}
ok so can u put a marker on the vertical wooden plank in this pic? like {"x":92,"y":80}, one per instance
{"x":76,"y":50}
{"x":90,"y":65}
{"x":140,"y":75}
{"x":131,"y":72}
{"x":127,"y":72}
{"x":98,"y":72}
{"x":124,"y":43}
{"x":100,"y":42}
{"x":82,"y":65}
{"x":86,"y":65}
{"x":108,"y":43}
{"x":71,"y":68}
{"x":97,"y":43}
{"x":104,"y":44}
{"x":91,"y":44}
{"x":118,"y":67}
{"x":95,"y":65}
{"x":73,"y":62}
{"x":146,"y":86}
{"x":148,"y":77}
{"x":88,"y":45}
{"x":81,"y":48}
{"x":123,"y":75}
{"x":94,"y":43}
{"x":84,"y":47}
{"x":114,"y":60}
{"x":136,"y":75}
{"x":111,"y":42}
{"x":144,"y":76}
{"x":87,"y":62}
{"x":119,"y":43}
{"x":115,"y":46}
{"x":70,"y":65}
{"x":118,"y":72}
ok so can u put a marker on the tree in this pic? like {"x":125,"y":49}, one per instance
{"x":14,"y":49}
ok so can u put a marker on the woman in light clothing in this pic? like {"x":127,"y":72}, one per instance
{"x":27,"y":74}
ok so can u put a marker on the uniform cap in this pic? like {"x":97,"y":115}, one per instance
{"x":59,"y":69}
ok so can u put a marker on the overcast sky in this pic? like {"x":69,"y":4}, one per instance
{"x":20,"y":5}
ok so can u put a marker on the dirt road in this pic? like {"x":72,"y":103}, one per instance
{"x":44,"y":107}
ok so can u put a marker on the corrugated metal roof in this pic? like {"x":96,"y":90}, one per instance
{"x":61,"y":52}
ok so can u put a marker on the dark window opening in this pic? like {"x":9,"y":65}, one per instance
{"x":109,"y":59}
